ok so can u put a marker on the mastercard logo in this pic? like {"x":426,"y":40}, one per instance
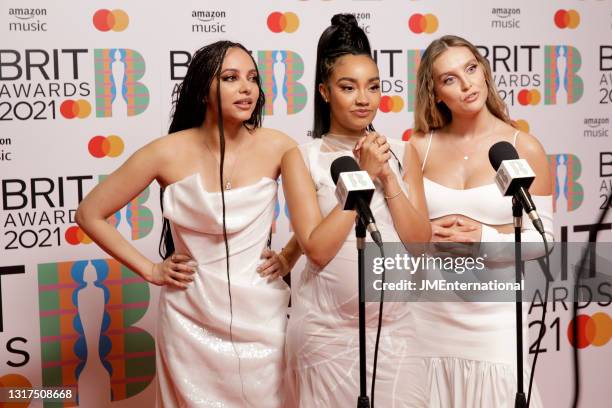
{"x":283,"y":22}
{"x":593,"y":330}
{"x":423,"y":23}
{"x":75,"y":236}
{"x":110,"y":146}
{"x":406,"y":135}
{"x":522,"y":125}
{"x":391,"y":104}
{"x":567,"y":19}
{"x":106,"y":20}
{"x":529,"y":97}
{"x":75,"y":109}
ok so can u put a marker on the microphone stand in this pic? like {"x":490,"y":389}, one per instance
{"x":517,"y":215}
{"x":360,"y":233}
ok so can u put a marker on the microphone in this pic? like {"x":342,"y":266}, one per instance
{"x":513,"y":178}
{"x":354,"y":191}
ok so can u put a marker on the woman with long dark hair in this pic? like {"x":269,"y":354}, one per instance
{"x":221,"y":326}
{"x":322,"y":338}
{"x":469,"y":347}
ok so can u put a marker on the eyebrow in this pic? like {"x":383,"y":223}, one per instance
{"x":355,"y":81}
{"x":236,"y":70}
{"x":470,"y":62}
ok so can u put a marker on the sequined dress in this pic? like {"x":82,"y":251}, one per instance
{"x":198,"y":364}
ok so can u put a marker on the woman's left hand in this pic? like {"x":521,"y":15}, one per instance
{"x":275,"y":265}
{"x":454,"y":228}
{"x":456,"y":236}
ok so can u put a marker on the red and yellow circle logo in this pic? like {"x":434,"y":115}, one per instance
{"x":567,"y":19}
{"x":407,"y":134}
{"x":101,"y":146}
{"x":593,"y":330}
{"x":283,"y":22}
{"x":75,"y":236}
{"x":529,"y":97}
{"x":522,"y":125}
{"x":75,"y":109}
{"x":106,"y":20}
{"x":423,"y":23}
{"x":391,"y":104}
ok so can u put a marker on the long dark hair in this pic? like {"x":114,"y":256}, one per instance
{"x":190,"y":106}
{"x":342,"y":37}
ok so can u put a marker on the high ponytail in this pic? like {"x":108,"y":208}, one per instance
{"x":342,"y":37}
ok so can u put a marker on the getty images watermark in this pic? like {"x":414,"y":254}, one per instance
{"x":486,"y":272}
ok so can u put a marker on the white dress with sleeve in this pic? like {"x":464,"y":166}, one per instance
{"x":470,"y":347}
{"x":322,"y":336}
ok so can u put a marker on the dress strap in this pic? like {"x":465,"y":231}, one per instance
{"x":427,"y":151}
{"x":515,"y":135}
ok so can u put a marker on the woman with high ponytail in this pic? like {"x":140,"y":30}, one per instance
{"x":322,"y":337}
{"x":222,"y":313}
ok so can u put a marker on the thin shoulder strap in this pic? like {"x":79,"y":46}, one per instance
{"x":515,"y":135}
{"x":427,"y":151}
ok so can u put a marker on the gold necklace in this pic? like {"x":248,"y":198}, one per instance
{"x":227,"y":183}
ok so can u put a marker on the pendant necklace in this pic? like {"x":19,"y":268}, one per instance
{"x":466,"y":156}
{"x":227,"y":184}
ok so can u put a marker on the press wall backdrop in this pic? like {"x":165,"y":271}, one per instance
{"x":85,"y":84}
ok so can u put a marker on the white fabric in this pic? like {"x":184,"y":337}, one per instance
{"x":322,"y":336}
{"x":197,"y":364}
{"x":470,"y":348}
{"x":430,"y":138}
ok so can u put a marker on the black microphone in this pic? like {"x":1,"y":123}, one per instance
{"x":513,"y":178}
{"x":354,"y":191}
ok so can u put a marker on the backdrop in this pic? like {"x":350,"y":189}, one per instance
{"x":85,"y":84}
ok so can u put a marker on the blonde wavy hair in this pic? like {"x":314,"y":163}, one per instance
{"x":429,"y":115}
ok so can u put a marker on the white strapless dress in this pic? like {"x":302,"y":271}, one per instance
{"x":198,"y":363}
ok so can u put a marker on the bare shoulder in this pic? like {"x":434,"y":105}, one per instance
{"x":275,"y":139}
{"x":170,"y":147}
{"x":529,"y":147}
{"x":417,"y":144}
{"x":292,"y":154}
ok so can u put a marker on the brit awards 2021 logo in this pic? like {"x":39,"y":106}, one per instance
{"x":48,"y":84}
{"x":36,"y":210}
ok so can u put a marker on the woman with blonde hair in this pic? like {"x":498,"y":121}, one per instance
{"x":470,"y":348}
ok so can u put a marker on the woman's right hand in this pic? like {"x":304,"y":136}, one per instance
{"x":373,"y":153}
{"x":177,"y":270}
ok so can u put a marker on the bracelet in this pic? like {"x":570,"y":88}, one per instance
{"x":393,"y":196}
